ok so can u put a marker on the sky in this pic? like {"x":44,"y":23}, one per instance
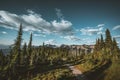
{"x":59,"y":21}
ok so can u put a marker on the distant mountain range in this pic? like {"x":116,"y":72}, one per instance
{"x":4,"y":46}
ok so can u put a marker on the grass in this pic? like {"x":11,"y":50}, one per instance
{"x":101,"y":70}
{"x":113,"y":72}
{"x":57,"y":74}
{"x":87,"y":65}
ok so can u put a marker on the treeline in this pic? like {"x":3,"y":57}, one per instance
{"x":23,"y":59}
{"x":107,"y":47}
{"x":29,"y":56}
{"x":104,"y":62}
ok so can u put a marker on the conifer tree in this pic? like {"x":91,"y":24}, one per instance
{"x":17,"y":48}
{"x":108,"y":40}
{"x":95,"y":48}
{"x":23,"y":54}
{"x":2,"y":58}
{"x":30,"y":50}
{"x":30,"y":45}
{"x":24,"y":49}
{"x":98,"y":45}
{"x":102,"y":45}
{"x":15,"y":54}
{"x":115,"y":47}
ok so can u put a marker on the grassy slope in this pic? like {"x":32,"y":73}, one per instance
{"x":113,"y":72}
{"x":101,"y":71}
{"x":57,"y":74}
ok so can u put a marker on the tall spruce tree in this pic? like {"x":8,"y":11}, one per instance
{"x":102,"y":44}
{"x":17,"y":47}
{"x":2,"y":58}
{"x":96,"y":45}
{"x":30,"y":50}
{"x":115,"y":47}
{"x":24,"y":49}
{"x":30,"y":45}
{"x":23,"y":54}
{"x":15,"y":54}
{"x":108,"y":40}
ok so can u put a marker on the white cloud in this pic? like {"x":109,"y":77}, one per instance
{"x":3,"y":32}
{"x":118,"y":36}
{"x":59,"y":13}
{"x":116,"y":27}
{"x":91,"y":30}
{"x":118,"y":42}
{"x":37,"y":35}
{"x":100,"y":25}
{"x":73,"y":38}
{"x":88,"y":41}
{"x":63,"y":25}
{"x":51,"y":41}
{"x":34,"y":22}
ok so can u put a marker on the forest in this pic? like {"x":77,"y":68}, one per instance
{"x":28,"y":62}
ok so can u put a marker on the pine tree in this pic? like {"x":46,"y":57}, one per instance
{"x":115,"y":49}
{"x":16,"y":51}
{"x":30,"y":50}
{"x":2,"y":58}
{"x":24,"y":49}
{"x":114,"y":45}
{"x":98,"y":43}
{"x":102,"y":44}
{"x":15,"y":54}
{"x":23,"y":54}
{"x":95,"y":48}
{"x":108,"y":40}
{"x":30,"y":45}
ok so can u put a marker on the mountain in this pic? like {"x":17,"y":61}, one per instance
{"x":4,"y":46}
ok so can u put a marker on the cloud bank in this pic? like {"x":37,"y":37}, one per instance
{"x":51,"y":41}
{"x":116,"y":27}
{"x":4,"y":32}
{"x":34,"y":22}
{"x":118,"y":36}
{"x":59,"y":13}
{"x":72,"y":38}
{"x":92,"y":31}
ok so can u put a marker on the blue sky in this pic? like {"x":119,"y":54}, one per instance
{"x":55,"y":22}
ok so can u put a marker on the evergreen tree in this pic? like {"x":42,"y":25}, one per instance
{"x":95,"y":48}
{"x":30,"y":45}
{"x":2,"y":58}
{"x":102,"y":44}
{"x":15,"y":55}
{"x":24,"y":49}
{"x":108,"y":40}
{"x":30,"y":50}
{"x":115,"y":47}
{"x":17,"y":48}
{"x":98,"y":43}
{"x":23,"y":54}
